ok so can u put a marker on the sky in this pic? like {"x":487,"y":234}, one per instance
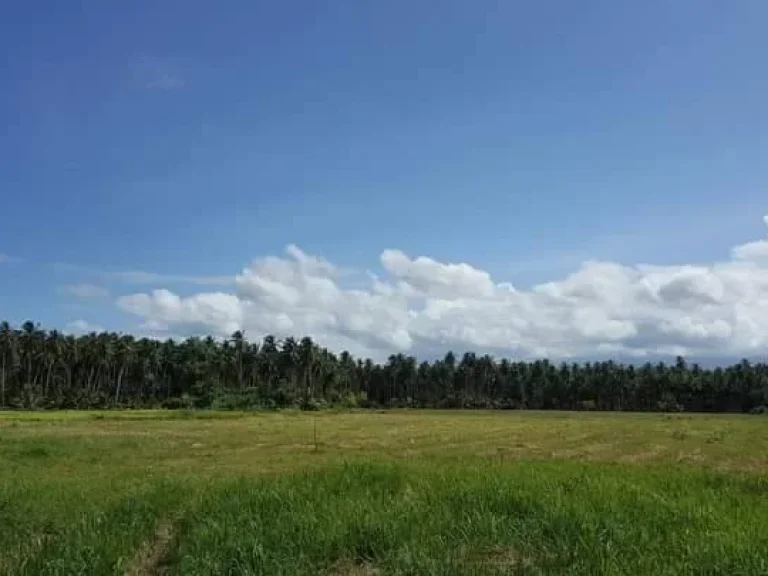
{"x":571,"y":180}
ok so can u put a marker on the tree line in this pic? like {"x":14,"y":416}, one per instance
{"x":42,"y":369}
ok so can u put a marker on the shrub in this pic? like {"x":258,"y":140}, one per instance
{"x":237,"y":400}
{"x":177,"y":403}
{"x":313,"y":404}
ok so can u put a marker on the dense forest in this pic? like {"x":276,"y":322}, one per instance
{"x":50,"y":370}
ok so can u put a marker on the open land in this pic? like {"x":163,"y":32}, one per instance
{"x":364,"y":493}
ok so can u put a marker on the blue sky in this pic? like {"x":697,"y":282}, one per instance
{"x":523,"y":138}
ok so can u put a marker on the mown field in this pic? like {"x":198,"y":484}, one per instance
{"x":382,"y":493}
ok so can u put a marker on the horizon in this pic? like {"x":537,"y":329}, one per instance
{"x":706,"y":363}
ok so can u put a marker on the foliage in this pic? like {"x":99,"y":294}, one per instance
{"x":49,"y":370}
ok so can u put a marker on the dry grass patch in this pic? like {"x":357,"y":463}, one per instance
{"x":150,"y":559}
{"x":498,"y":559}
{"x":349,"y":567}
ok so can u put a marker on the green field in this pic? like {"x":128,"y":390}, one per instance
{"x":382,"y":493}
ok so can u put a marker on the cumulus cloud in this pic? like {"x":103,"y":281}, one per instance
{"x":753,"y":251}
{"x":421,"y":304}
{"x":433,"y":278}
{"x":217,"y":311}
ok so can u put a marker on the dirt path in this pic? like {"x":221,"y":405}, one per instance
{"x":151,"y":556}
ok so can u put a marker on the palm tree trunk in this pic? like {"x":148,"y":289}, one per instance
{"x":119,"y":383}
{"x":47,"y":385}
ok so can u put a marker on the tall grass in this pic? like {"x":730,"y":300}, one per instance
{"x":408,"y":493}
{"x":90,"y":528}
{"x":533,"y":518}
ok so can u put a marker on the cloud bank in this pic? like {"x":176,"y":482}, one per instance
{"x":603,"y":309}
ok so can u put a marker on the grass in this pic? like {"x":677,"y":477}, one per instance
{"x":382,"y":493}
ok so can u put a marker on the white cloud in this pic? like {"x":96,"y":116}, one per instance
{"x":433,"y":278}
{"x":86,"y":291}
{"x":216,"y":311}
{"x":601,"y":309}
{"x":83,"y":327}
{"x":753,"y":251}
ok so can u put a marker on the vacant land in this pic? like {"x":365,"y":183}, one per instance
{"x":382,"y":493}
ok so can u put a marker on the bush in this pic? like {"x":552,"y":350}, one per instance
{"x":351,"y":400}
{"x":185,"y":401}
{"x":368,"y":403}
{"x":762,"y":409}
{"x":313,"y":404}
{"x":668,"y":403}
{"x":237,"y":400}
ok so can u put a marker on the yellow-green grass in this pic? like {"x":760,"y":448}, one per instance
{"x":431,"y":492}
